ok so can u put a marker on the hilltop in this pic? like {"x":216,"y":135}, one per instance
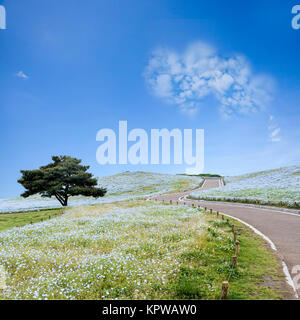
{"x":122,"y":186}
{"x":279,"y":187}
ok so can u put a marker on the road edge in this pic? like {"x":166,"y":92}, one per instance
{"x":285,"y":269}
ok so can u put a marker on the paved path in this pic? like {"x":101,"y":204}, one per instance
{"x":282,"y":228}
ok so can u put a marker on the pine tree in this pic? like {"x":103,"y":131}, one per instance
{"x":62,"y":178}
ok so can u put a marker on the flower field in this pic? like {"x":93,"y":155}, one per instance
{"x":120,"y":187}
{"x":133,"y":250}
{"x":113,"y":248}
{"x":279,"y":187}
{"x":103,"y":252}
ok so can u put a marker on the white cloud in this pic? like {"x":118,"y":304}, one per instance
{"x":164,"y":86}
{"x":274,"y":130}
{"x":185,"y":79}
{"x":22,"y":75}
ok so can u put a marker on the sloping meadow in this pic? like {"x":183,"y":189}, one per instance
{"x":120,"y":250}
{"x":119,"y":187}
{"x":135,"y":250}
{"x":280,"y":187}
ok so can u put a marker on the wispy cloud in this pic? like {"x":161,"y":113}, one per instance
{"x":186,"y":79}
{"x":274,"y":130}
{"x":22,"y":75}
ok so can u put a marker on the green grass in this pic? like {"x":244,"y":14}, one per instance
{"x":257,"y":276}
{"x":20,"y":219}
{"x":180,"y":185}
{"x":134,"y":250}
{"x":204,"y":175}
{"x":209,"y":175}
{"x":174,"y":186}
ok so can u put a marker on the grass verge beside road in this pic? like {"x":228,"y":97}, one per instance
{"x":257,"y":276}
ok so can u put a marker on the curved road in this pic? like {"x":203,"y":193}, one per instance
{"x":282,"y":228}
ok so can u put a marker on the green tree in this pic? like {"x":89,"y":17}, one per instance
{"x":62,"y":178}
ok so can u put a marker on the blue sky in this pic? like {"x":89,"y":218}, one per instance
{"x":71,"y":68}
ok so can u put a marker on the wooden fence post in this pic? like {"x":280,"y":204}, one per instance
{"x":235,"y":236}
{"x":234,"y":261}
{"x":237,"y":247}
{"x":225,"y":288}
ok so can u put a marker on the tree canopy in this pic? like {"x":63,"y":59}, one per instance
{"x":62,"y":178}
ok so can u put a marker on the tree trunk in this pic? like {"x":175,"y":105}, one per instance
{"x":63,"y":201}
{"x":65,"y":204}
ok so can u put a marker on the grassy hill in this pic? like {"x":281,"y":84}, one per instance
{"x":279,"y":187}
{"x":122,"y":186}
{"x":135,"y":250}
{"x":132,"y":249}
